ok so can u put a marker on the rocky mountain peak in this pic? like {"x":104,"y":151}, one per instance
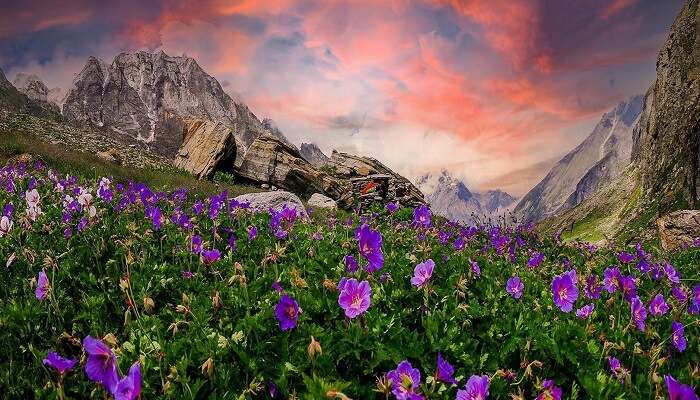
{"x":32,"y":86}
{"x":313,"y":154}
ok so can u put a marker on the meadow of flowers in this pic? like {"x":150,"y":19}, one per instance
{"x":117,"y":290}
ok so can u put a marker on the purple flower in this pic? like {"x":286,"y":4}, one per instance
{"x":350,"y":264}
{"x":611,"y":279}
{"x":550,"y":391}
{"x":422,"y":273}
{"x":445,"y":371}
{"x":679,"y":294}
{"x":404,"y":381}
{"x":354,"y":297}
{"x":277,"y":286}
{"x":101,"y":366}
{"x":392,"y":207}
{"x":515,"y":287}
{"x":459,"y":243}
{"x":658,"y":306}
{"x":287,"y":312}
{"x":628,"y":286}
{"x":196,"y":244}
{"x":696,"y":295}
{"x":42,"y":286}
{"x":60,"y":364}
{"x":678,"y":336}
{"x":639,"y":313}
{"x":535,"y":260}
{"x":475,"y":268}
{"x":672,"y":274}
{"x":585,"y":311}
{"x":252,"y":233}
{"x":477,"y":388}
{"x":370,"y":245}
{"x":618,"y":371}
{"x":318,"y":236}
{"x":422,"y":216}
{"x":564,"y":290}
{"x":187,"y":274}
{"x":624,"y":257}
{"x":129,"y":388}
{"x":209,"y":257}
{"x":592,"y":288}
{"x":679,"y":391}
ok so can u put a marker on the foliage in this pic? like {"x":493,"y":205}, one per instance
{"x":121,"y":271}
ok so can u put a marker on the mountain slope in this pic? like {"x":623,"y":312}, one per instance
{"x":149,"y":96}
{"x":452,"y":199}
{"x":15,"y":101}
{"x":313,"y":154}
{"x":600,"y":157}
{"x":663,"y":174}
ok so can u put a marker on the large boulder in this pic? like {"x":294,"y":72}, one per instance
{"x":269,"y":160}
{"x":317,"y":200}
{"x":264,"y":201}
{"x":679,"y":229}
{"x":205,"y":146}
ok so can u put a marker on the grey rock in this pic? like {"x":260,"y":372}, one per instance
{"x":262,"y":202}
{"x":14,"y":101}
{"x":602,"y":156}
{"x":271,"y":161}
{"x":317,"y":200}
{"x":679,"y":229}
{"x":32,"y":86}
{"x":313,"y":154}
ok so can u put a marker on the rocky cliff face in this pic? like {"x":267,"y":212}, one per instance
{"x":667,"y":138}
{"x":599,"y":158}
{"x":452,"y":199}
{"x":313,"y":154}
{"x":147,"y":97}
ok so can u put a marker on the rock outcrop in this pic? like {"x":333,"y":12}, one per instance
{"x":667,"y":138}
{"x":348,"y":166}
{"x":271,"y":161}
{"x":679,"y":229}
{"x":599,"y":158}
{"x":205,"y":147}
{"x":32,"y":86}
{"x":147,"y":97}
{"x":264,"y":201}
{"x":313,"y":154}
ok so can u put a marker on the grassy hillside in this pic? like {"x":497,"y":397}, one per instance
{"x":208,"y":300}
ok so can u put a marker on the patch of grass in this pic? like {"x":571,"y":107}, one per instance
{"x":89,"y":166}
{"x":586,"y":229}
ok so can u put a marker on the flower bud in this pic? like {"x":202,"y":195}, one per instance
{"x":314,"y":348}
{"x":148,"y":304}
{"x":216,"y":301}
{"x":208,"y":367}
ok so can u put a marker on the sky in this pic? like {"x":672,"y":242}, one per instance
{"x":494,"y":91}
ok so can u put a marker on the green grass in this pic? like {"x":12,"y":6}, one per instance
{"x":586,"y":229}
{"x":89,"y":166}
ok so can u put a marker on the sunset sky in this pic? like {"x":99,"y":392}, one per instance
{"x":492,"y":90}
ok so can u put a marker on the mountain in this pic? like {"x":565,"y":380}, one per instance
{"x":452,"y":199}
{"x":313,"y":154}
{"x":664,"y":173}
{"x":149,"y":97}
{"x":14,"y":100}
{"x":599,"y":158}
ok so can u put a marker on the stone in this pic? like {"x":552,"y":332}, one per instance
{"x":317,"y":200}
{"x":313,"y":155}
{"x":678,"y":229}
{"x":205,"y":146}
{"x":15,"y":101}
{"x":269,"y":160}
{"x":110,"y":155}
{"x":262,"y":202}
{"x":265,"y":186}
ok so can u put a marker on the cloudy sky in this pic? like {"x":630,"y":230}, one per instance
{"x":493,"y":90}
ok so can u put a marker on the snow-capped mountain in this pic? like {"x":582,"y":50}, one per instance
{"x":452,"y":199}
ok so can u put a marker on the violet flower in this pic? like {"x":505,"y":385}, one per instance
{"x":287,"y":312}
{"x":354,"y":297}
{"x":678,"y":337}
{"x":639,"y":313}
{"x":422,"y":216}
{"x":211,"y":256}
{"x":370,"y":246}
{"x":350,"y":264}
{"x":618,"y":371}
{"x":550,"y":391}
{"x":444,"y":371}
{"x":585,"y":311}
{"x":565,"y":291}
{"x":101,"y":365}
{"x":422,"y":273}
{"x":679,"y":391}
{"x":535,"y":260}
{"x":477,"y":388}
{"x":405,"y":380}
{"x":658,"y":306}
{"x":42,"y":286}
{"x":515,"y":287}
{"x":129,"y":388}
{"x":60,"y":364}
